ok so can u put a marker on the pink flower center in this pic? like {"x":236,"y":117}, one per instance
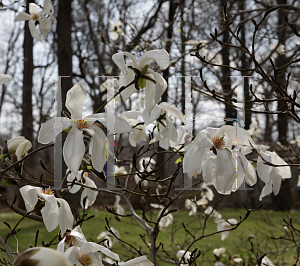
{"x":47,"y":191}
{"x":85,"y":260}
{"x":219,"y":142}
{"x":81,"y":123}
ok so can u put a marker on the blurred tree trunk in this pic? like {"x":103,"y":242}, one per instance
{"x":173,"y":5}
{"x":245,"y":64}
{"x":64,"y":56}
{"x":225,"y":78}
{"x":281,"y":60}
{"x":27,"y":117}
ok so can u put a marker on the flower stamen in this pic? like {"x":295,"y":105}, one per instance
{"x":81,"y":123}
{"x":219,"y":142}
{"x":85,"y":260}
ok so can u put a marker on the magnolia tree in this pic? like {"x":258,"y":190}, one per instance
{"x":214,"y":157}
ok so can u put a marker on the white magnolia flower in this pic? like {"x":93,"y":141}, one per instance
{"x":117,"y":30}
{"x":218,"y":252}
{"x":19,"y":145}
{"x":110,"y":238}
{"x":254,"y":131}
{"x":212,"y":149}
{"x":56,"y":210}
{"x":206,"y":192}
{"x":213,"y":213}
{"x":192,"y":205}
{"x":271,"y":176}
{"x":88,"y":196}
{"x":117,"y":207}
{"x":74,"y":148}
{"x":166,"y":220}
{"x":41,"y":256}
{"x":149,"y":164}
{"x":71,"y":238}
{"x":237,"y":259}
{"x":138,"y":133}
{"x":280,"y":50}
{"x":223,"y":225}
{"x":140,"y":261}
{"x":5,"y":79}
{"x":44,"y":22}
{"x":120,"y":170}
{"x":266,"y":262}
{"x":88,"y":254}
{"x":187,"y":256}
{"x":167,"y":133}
{"x":154,"y":83}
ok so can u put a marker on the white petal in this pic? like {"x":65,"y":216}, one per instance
{"x":52,"y":128}
{"x":192,"y":160}
{"x":119,"y":60}
{"x":33,"y":8}
{"x":140,"y":261}
{"x":14,"y":143}
{"x":93,"y":247}
{"x":263,"y":170}
{"x":30,"y":196}
{"x":5,"y":79}
{"x":61,"y":245}
{"x":149,"y":96}
{"x":66,"y":218}
{"x":45,"y":26}
{"x":74,"y":149}
{"x":99,"y":148}
{"x":160,"y":87}
{"x":23,"y":148}
{"x":225,"y":173}
{"x":71,"y":176}
{"x":72,"y":254}
{"x":285,"y":172}
{"x":266,"y":190}
{"x":114,"y":35}
{"x":250,"y":173}
{"x":125,"y":81}
{"x":50,"y":212}
{"x":89,"y":194}
{"x":276,"y":181}
{"x":172,"y":110}
{"x":160,"y":56}
{"x":48,"y":9}
{"x":155,"y":113}
{"x":74,"y":101}
{"x":33,"y":30}
{"x":22,"y":16}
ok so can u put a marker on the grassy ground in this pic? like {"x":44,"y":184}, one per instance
{"x":259,"y":227}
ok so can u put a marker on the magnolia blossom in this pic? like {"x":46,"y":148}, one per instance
{"x":278,"y":49}
{"x":154,"y":83}
{"x":110,"y":238}
{"x":74,"y":148}
{"x":44,"y":22}
{"x":138,"y":133}
{"x":206,"y":192}
{"x":19,"y":145}
{"x":186,"y":256}
{"x":271,"y":176}
{"x":117,"y":30}
{"x":166,"y":220}
{"x":254,"y":131}
{"x":167,"y":135}
{"x":192,"y":205}
{"x":88,"y":196}
{"x":211,"y":151}
{"x":120,"y":170}
{"x":56,"y":210}
{"x":140,"y":261}
{"x":218,"y":252}
{"x":71,"y":238}
{"x":41,"y":256}
{"x":118,"y":209}
{"x":5,"y":79}
{"x":213,"y":213}
{"x":88,"y":254}
{"x":145,"y":165}
{"x":266,"y":262}
{"x":223,"y":225}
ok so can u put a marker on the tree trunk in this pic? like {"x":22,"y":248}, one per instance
{"x":27,"y":117}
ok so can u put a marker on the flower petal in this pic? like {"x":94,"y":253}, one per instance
{"x":22,"y":16}
{"x":160,"y":56}
{"x":45,"y":26}
{"x":66,"y":218}
{"x":149,"y":96}
{"x":74,"y":149}
{"x":89,"y":194}
{"x":99,"y":148}
{"x":30,"y":196}
{"x":266,"y":190}
{"x":33,"y":30}
{"x":23,"y":148}
{"x":172,"y":110}
{"x":50,"y":212}
{"x":74,"y":101}
{"x":52,"y":128}
{"x":33,"y":8}
{"x":5,"y":79}
{"x":140,"y":261}
{"x":263,"y":170}
{"x":91,"y":247}
{"x":155,"y":113}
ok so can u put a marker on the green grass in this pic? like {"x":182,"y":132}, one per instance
{"x":261,"y":225}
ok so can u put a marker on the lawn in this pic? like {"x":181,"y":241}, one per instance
{"x":260,"y":226}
